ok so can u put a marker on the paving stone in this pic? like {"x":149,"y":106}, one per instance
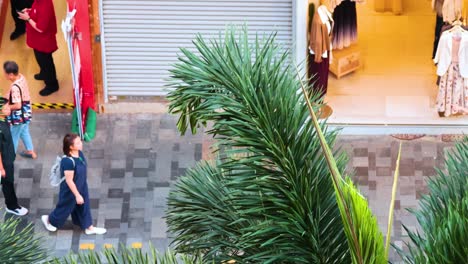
{"x":115,"y":193}
{"x":118,"y":164}
{"x":141,"y":163}
{"x":140,"y":172}
{"x":161,"y":244}
{"x":159,"y":228}
{"x":135,"y":160}
{"x":176,"y":147}
{"x":117,"y":173}
{"x":361,"y":171}
{"x":360,"y":152}
{"x":138,"y":203}
{"x":26,"y":173}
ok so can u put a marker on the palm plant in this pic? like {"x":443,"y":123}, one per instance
{"x":271,"y":197}
{"x":19,"y":245}
{"x":126,"y":256}
{"x":443,"y":215}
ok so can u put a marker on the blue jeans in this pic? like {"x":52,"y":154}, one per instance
{"x":22,"y":131}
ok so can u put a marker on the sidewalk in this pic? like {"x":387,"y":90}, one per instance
{"x":135,"y":159}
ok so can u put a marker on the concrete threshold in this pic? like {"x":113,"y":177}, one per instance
{"x":367,"y":129}
{"x":159,"y":107}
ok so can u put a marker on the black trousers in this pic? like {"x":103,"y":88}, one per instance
{"x":8,"y":188}
{"x":437,"y":33}
{"x":20,"y":25}
{"x":48,"y":73}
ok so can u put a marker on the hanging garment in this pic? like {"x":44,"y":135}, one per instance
{"x":444,"y":28}
{"x":437,"y":33}
{"x":437,"y":6}
{"x":452,"y":97}
{"x":444,"y":57}
{"x":452,"y":10}
{"x":318,"y":72}
{"x":310,"y":16}
{"x":345,"y":27}
{"x":332,"y":4}
{"x":319,"y":37}
{"x":320,"y":50}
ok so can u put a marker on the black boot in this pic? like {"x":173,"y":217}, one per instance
{"x":48,"y":91}
{"x":38,"y":77}
{"x":16,"y":34}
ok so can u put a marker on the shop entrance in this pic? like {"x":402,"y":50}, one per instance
{"x":396,"y":82}
{"x":18,"y":51}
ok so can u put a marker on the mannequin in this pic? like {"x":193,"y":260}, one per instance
{"x":320,"y":49}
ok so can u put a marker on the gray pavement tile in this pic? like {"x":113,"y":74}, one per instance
{"x":26,"y":173}
{"x":161,"y":244}
{"x":135,"y":160}
{"x":115,"y":193}
{"x":117,"y":173}
{"x":140,"y":173}
{"x":141,"y":163}
{"x":158,"y":228}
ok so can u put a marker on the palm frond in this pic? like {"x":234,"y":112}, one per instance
{"x":443,"y":214}
{"x":127,"y":256}
{"x":392,"y":202}
{"x":279,"y":192}
{"x":19,"y":245}
{"x":370,"y":239}
{"x":361,"y":227}
{"x":202,"y":213}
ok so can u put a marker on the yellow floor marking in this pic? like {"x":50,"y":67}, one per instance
{"x":88,"y":246}
{"x":137,"y":245}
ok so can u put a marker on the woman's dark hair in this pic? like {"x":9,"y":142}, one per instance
{"x":68,"y":141}
{"x":11,"y":67}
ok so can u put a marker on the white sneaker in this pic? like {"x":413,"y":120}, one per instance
{"x":18,"y":211}
{"x":47,"y":225}
{"x":96,"y":231}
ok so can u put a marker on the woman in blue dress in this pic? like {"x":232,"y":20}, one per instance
{"x":73,"y":195}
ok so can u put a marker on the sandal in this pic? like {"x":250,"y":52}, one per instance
{"x":28,"y":155}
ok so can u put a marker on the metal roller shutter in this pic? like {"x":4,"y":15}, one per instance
{"x":142,"y":37}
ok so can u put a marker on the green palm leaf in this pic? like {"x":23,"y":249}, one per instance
{"x":19,"y":245}
{"x":361,"y":227}
{"x":270,"y":198}
{"x":127,"y":256}
{"x":443,"y":215}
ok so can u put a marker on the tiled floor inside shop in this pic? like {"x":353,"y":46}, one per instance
{"x":396,"y":83}
{"x":135,"y":160}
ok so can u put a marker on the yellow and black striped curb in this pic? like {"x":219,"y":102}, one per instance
{"x":70,"y":106}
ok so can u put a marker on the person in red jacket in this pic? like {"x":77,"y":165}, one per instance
{"x":41,"y":28}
